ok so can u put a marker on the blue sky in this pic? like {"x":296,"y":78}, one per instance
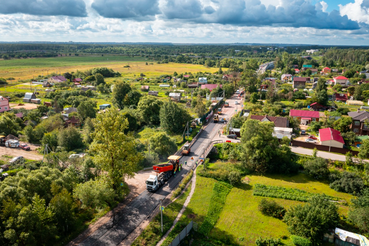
{"x":331,"y":22}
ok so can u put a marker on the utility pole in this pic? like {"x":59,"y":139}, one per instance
{"x":161,"y":211}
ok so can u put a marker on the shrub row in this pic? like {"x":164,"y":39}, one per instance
{"x":268,"y":242}
{"x":218,"y":198}
{"x":183,"y":184}
{"x":284,"y":193}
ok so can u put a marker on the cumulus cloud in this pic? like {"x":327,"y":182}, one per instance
{"x":125,"y":9}
{"x":295,"y":13}
{"x":288,"y":13}
{"x":357,"y":11}
{"x":44,"y":7}
{"x":183,"y":9}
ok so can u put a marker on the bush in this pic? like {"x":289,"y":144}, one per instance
{"x":226,"y":172}
{"x":317,"y":168}
{"x":268,"y":242}
{"x":349,"y":183}
{"x":300,"y":241}
{"x":271,"y":208}
{"x":183,"y":184}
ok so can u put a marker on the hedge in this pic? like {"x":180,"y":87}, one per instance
{"x":284,"y":193}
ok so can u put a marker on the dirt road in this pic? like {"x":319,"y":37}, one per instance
{"x":31,"y":155}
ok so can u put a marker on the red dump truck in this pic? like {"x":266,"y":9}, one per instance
{"x":164,"y":173}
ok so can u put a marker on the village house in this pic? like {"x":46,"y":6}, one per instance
{"x":331,"y":137}
{"x":210,"y":86}
{"x":326,"y":71}
{"x":175,"y":96}
{"x":145,"y":88}
{"x":88,"y":87}
{"x":78,"y":80}
{"x":340,"y":97}
{"x":341,"y":80}
{"x":4,"y":104}
{"x":312,"y":51}
{"x":73,"y":121}
{"x":46,"y":84}
{"x":153,"y":93}
{"x":29,"y":96}
{"x":57,"y":79}
{"x":300,"y":82}
{"x":192,"y":86}
{"x":297,"y":70}
{"x":360,"y":122}
{"x":317,"y":107}
{"x":314,"y":71}
{"x":304,"y":116}
{"x":104,"y":106}
{"x":286,"y":77}
{"x":278,"y":121}
{"x":203,"y":80}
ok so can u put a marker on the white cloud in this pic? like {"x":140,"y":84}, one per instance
{"x":324,"y":6}
{"x":356,"y":11}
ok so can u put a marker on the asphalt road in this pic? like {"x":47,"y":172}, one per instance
{"x":132,"y":215}
{"x":140,"y":208}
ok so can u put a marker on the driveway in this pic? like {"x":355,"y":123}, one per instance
{"x":31,"y":155}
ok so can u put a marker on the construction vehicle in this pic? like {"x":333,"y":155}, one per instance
{"x":216,"y":118}
{"x":186,"y":149}
{"x":163,"y":173}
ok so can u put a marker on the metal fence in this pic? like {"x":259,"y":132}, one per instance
{"x":182,"y":234}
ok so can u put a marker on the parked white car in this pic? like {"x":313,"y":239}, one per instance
{"x":16,"y":159}
{"x":309,"y":140}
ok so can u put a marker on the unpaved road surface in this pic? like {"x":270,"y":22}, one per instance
{"x":31,"y":155}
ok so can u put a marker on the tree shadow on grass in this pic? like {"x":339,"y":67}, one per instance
{"x":300,"y":178}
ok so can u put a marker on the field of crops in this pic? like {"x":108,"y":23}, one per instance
{"x":284,"y":193}
{"x":23,"y":69}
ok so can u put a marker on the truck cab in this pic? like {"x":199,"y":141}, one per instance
{"x":186,"y":149}
{"x":152,"y":183}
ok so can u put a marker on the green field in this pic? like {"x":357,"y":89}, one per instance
{"x":23,"y":69}
{"x":240,"y":221}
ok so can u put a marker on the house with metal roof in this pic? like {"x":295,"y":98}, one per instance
{"x":210,"y":86}
{"x":331,"y":137}
{"x":29,"y":96}
{"x":305,"y":116}
{"x":57,"y":79}
{"x":360,"y":122}
{"x":175,"y":96}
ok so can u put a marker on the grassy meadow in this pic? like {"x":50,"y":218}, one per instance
{"x":240,"y":221}
{"x":22,"y":69}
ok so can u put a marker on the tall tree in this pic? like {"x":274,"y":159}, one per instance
{"x":200,"y":108}
{"x":149,"y":109}
{"x":313,"y":219}
{"x":173,"y":118}
{"x":87,"y":109}
{"x":120,"y":90}
{"x":113,"y":150}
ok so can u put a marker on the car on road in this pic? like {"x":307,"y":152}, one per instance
{"x":313,"y":137}
{"x":236,"y":103}
{"x":303,"y":132}
{"x":233,"y":136}
{"x":16,"y":160}
{"x":24,"y":147}
{"x":309,"y":140}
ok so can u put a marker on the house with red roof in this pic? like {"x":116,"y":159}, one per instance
{"x":331,"y":137}
{"x":341,"y":80}
{"x":326,"y":70}
{"x":210,"y":86}
{"x":4,"y":104}
{"x":304,"y":116}
{"x":297,"y":70}
{"x":340,"y":97}
{"x":78,"y":80}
